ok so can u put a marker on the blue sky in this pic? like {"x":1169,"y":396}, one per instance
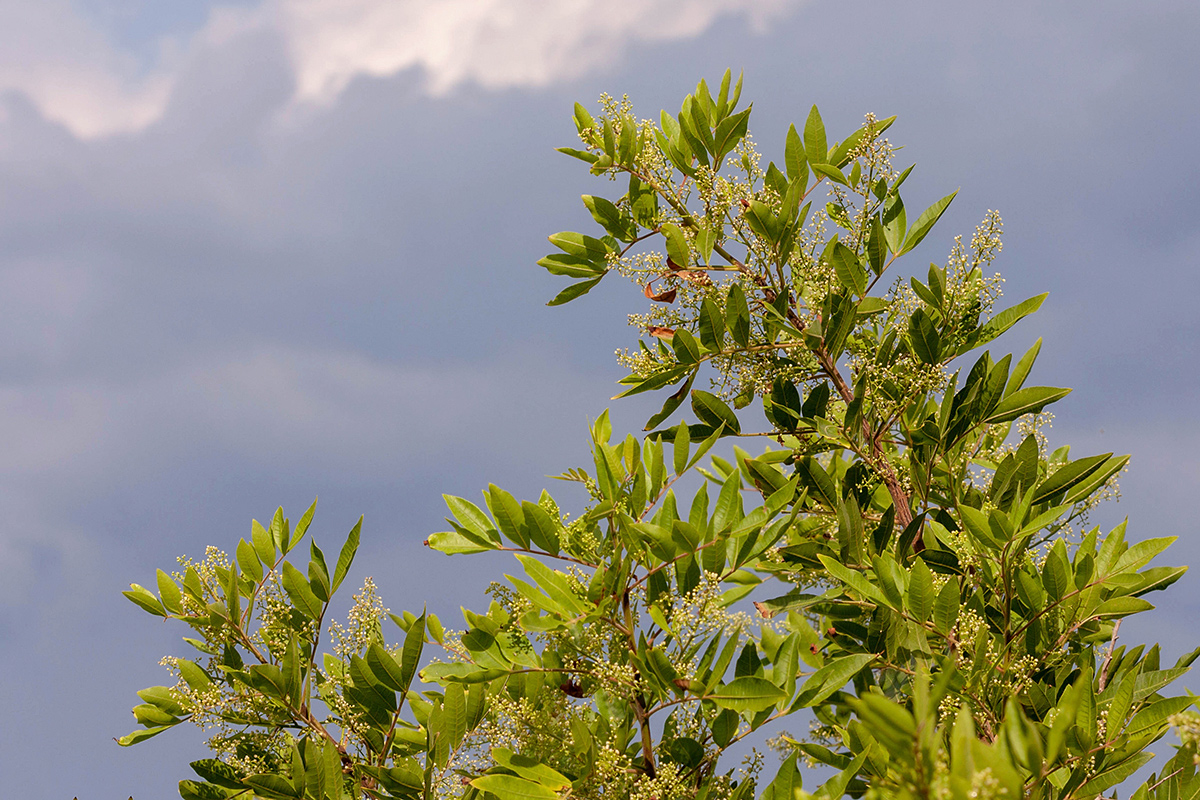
{"x":251,"y":253}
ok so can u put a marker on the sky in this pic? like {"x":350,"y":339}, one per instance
{"x":257,"y":252}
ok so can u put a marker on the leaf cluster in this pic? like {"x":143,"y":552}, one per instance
{"x":906,"y":559}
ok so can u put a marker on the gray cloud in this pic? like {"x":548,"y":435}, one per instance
{"x":240,"y":301}
{"x":77,"y":76}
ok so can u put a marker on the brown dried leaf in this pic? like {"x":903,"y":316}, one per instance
{"x":661,"y":333}
{"x":667,"y":296}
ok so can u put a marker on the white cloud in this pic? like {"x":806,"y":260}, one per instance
{"x":72,"y":73}
{"x":495,"y":43}
{"x":77,"y":77}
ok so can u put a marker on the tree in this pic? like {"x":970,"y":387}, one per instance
{"x":905,"y":558}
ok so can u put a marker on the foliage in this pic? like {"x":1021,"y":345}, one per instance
{"x":905,"y":559}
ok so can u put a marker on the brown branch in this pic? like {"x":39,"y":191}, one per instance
{"x":900,"y":499}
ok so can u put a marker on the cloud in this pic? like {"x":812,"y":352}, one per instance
{"x":318,"y":411}
{"x":494,"y":43}
{"x":77,"y":77}
{"x":337,"y":409}
{"x":73,"y":74}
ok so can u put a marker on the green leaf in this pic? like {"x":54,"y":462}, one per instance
{"x":192,"y":674}
{"x":737,"y":315}
{"x":608,"y":215}
{"x":150,"y":714}
{"x":1026,"y":401}
{"x":508,"y":515}
{"x":1021,"y":371}
{"x":1113,"y":775}
{"x":1149,"y":683}
{"x":460,"y":673}
{"x":302,"y":526}
{"x":384,"y":667}
{"x":893,"y":224}
{"x":458,"y":543}
{"x":530,"y":769}
{"x":813,"y":475}
{"x":278,"y":531}
{"x":583,"y":119}
{"x":1118,"y":607}
{"x":300,"y":593}
{"x":830,"y":171}
{"x":794,"y":157}
{"x":318,"y":573}
{"x":876,"y":246}
{"x":543,"y":531}
{"x":712,"y":411}
{"x":1067,"y":476}
{"x":1121,"y":704}
{"x":1001,"y":322}
{"x":454,"y":714}
{"x":410,"y":654}
{"x":141,"y":735}
{"x":673,"y":402}
{"x":815,"y":146}
{"x":582,"y":155}
{"x":835,"y":787}
{"x":168,"y":591}
{"x":762,"y":221}
{"x":682,"y":445}
{"x":729,"y":132}
{"x":831,"y":678}
{"x":849,"y":270}
{"x":194,"y":790}
{"x":657,"y":381}
{"x":510,"y":787}
{"x":748,"y":693}
{"x":146,"y":599}
{"x":977,"y":525}
{"x":247,"y":561}
{"x":677,"y":248}
{"x":787,"y":782}
{"x":946,"y":607}
{"x":233,"y":596}
{"x":1155,"y":714}
{"x":272,"y":787}
{"x":855,"y":581}
{"x":926,"y":341}
{"x":1056,"y":572}
{"x":553,"y":583}
{"x":628,"y":140}
{"x":346,"y":556}
{"x":570,"y":266}
{"x":704,"y":446}
{"x":263,"y":545}
{"x":687,"y":350}
{"x":217,"y":772}
{"x":889,"y":576}
{"x":920,"y":591}
{"x":712,"y":325}
{"x":925,"y":222}
{"x":1095,"y":480}
{"x":573,"y":291}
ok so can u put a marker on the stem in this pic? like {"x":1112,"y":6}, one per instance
{"x":639,"y":708}
{"x":900,"y":498}
{"x":560,"y":557}
{"x":1112,"y":645}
